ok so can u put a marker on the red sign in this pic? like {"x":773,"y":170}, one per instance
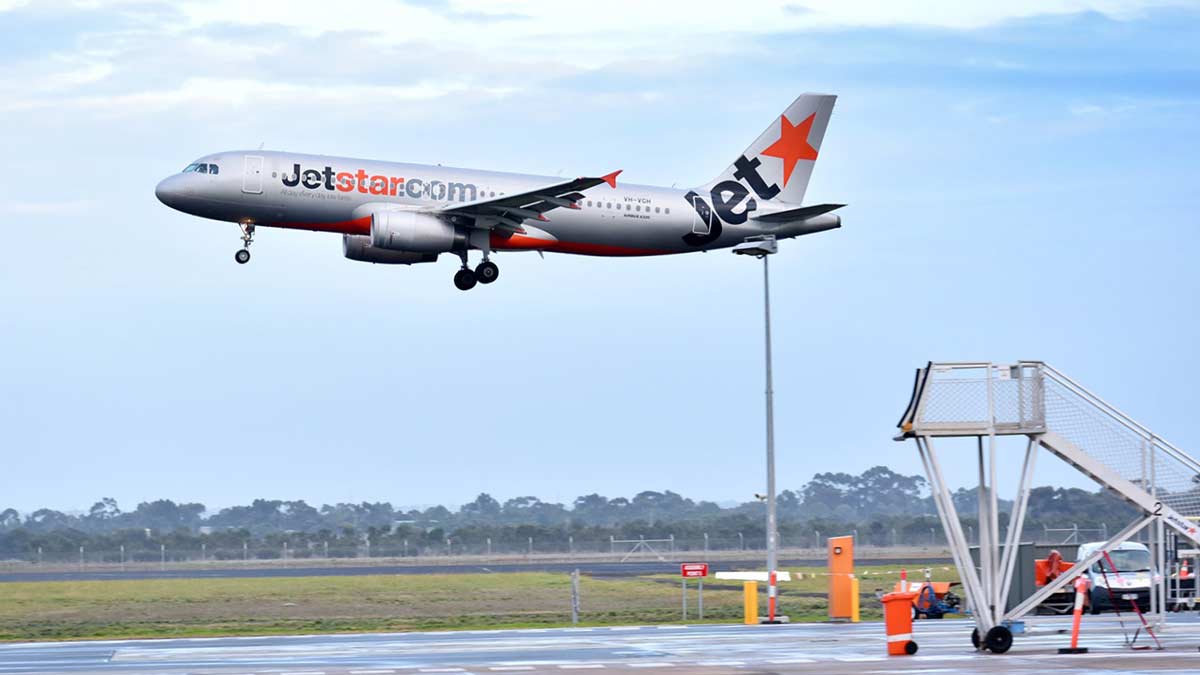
{"x":690,"y":570}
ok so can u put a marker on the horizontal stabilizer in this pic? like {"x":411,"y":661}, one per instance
{"x":802,"y":213}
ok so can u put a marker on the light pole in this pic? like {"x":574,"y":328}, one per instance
{"x":762,"y":247}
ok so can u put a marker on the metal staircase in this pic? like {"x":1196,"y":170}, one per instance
{"x":1032,"y":399}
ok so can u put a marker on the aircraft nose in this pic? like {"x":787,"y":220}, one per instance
{"x":169,"y":191}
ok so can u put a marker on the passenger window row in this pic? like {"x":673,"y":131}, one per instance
{"x":628,"y":207}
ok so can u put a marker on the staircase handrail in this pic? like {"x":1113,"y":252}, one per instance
{"x":1116,"y":414}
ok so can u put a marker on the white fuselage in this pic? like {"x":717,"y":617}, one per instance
{"x":337,"y":194}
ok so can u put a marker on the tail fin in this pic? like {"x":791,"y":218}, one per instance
{"x":778,"y":164}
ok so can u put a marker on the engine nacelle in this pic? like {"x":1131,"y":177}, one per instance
{"x":412,"y":231}
{"x":357,"y":247}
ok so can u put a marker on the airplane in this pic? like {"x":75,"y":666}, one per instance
{"x":405,"y":214}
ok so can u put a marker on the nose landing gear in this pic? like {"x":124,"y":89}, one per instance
{"x":243,"y":256}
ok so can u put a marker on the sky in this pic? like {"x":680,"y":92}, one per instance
{"x":1020,"y":179}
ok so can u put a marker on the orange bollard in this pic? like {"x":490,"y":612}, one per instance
{"x":897,"y":620}
{"x":903,"y":581}
{"x":1184,"y":572}
{"x":1081,"y":589}
{"x":772,"y":591}
{"x":842,"y":596}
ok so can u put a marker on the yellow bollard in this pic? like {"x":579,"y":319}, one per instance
{"x":854,"y":599}
{"x":750,"y":602}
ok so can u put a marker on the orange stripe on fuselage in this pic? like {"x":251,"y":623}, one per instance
{"x":515,"y":242}
{"x":580,"y":248}
{"x":521,"y":242}
{"x":360,"y":226}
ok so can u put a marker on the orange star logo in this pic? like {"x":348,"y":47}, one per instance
{"x":792,"y":145}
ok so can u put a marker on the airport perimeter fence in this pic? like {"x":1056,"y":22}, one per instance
{"x":640,"y":549}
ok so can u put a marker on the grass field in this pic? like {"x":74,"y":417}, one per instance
{"x":260,"y":606}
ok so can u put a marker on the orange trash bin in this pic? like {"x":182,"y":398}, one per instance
{"x":898,"y":621}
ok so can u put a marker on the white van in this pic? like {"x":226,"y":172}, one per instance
{"x":1130,"y":581}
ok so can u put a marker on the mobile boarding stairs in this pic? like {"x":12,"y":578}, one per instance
{"x":988,"y":401}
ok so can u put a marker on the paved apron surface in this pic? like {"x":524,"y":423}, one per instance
{"x":812,"y":648}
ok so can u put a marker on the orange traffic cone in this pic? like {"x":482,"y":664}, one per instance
{"x":1081,"y":589}
{"x":1184,"y":572}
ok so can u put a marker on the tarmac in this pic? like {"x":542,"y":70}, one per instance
{"x":832,"y":649}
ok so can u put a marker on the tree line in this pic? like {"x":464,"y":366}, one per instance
{"x":882,"y":506}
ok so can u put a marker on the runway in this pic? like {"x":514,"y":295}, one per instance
{"x":590,"y":568}
{"x":708,"y":649}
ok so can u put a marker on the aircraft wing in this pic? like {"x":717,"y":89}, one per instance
{"x":509,"y":211}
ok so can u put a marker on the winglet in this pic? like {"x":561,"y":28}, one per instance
{"x":611,"y":178}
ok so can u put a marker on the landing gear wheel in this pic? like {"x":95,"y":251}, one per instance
{"x":243,"y":256}
{"x":999,"y":639}
{"x":487,"y":272}
{"x":975,"y":638}
{"x":464,"y":279}
{"x":910,"y":648}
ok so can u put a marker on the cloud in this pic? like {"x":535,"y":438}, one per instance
{"x":210,"y":53}
{"x":955,"y":14}
{"x":547,"y":17}
{"x":222,"y":94}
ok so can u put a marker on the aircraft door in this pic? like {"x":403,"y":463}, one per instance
{"x":700,"y":225}
{"x":252,"y":176}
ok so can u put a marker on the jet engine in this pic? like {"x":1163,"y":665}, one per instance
{"x":412,"y":231}
{"x":357,"y":247}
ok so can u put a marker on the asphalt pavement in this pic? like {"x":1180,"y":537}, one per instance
{"x":707,"y":649}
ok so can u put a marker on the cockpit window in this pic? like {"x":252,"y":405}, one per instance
{"x":191,"y":167}
{"x":203,"y":168}
{"x":212,"y":169}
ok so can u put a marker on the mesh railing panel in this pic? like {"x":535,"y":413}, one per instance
{"x":1036,"y":398}
{"x":1130,"y":454}
{"x":964,"y":402}
{"x":1017,"y":402}
{"x":955,"y":401}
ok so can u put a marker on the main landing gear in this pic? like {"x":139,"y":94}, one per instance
{"x":243,"y":256}
{"x":485,"y":273}
{"x":464,"y":279}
